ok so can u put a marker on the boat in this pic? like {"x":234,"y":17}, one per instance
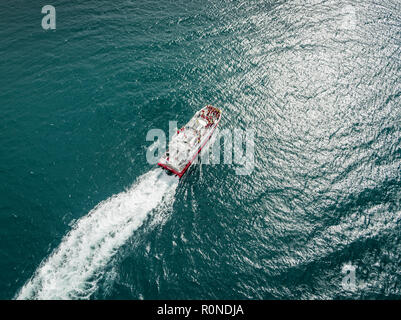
{"x":187,"y":143}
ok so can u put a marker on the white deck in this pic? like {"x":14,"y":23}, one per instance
{"x":185,"y":144}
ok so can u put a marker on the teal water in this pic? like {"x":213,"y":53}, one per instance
{"x":82,"y":213}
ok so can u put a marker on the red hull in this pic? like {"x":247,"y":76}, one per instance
{"x":180,"y":174}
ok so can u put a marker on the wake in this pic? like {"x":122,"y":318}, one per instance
{"x":73,"y":270}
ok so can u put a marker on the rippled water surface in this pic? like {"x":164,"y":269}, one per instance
{"x":83,"y":215}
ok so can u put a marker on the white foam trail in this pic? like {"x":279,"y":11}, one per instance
{"x":74,"y":268}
